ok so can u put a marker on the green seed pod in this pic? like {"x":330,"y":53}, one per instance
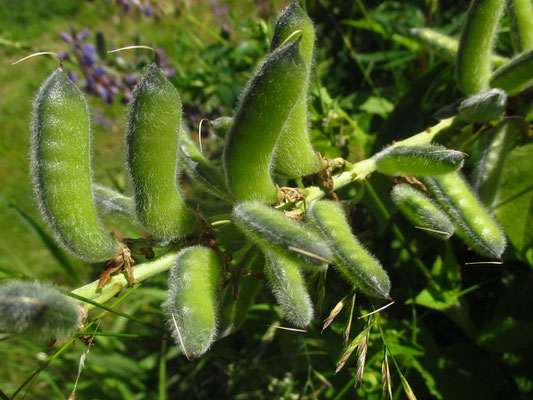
{"x":444,"y":45}
{"x":192,"y":299}
{"x":201,"y":171}
{"x":515,"y":76}
{"x":273,"y":231}
{"x":421,"y":211}
{"x":473,"y":223}
{"x":37,"y":310}
{"x":289,"y":289}
{"x":152,"y":157}
{"x":110,"y":202}
{"x":294,"y":154}
{"x":522,"y":24}
{"x":221,"y":126}
{"x":234,"y":311}
{"x":483,"y":107}
{"x":60,"y":164}
{"x":489,"y":169}
{"x":418,"y":160}
{"x":351,"y":258}
{"x":475,"y":45}
{"x":267,"y":103}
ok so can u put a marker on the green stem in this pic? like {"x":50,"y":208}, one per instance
{"x":360,"y":171}
{"x":118,"y":282}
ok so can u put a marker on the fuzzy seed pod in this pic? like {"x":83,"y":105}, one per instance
{"x":233,"y":311}
{"x":483,"y":107}
{"x":221,"y":126}
{"x":522,"y":24}
{"x":267,"y":103}
{"x":444,"y":45}
{"x":473,"y":223}
{"x":289,"y":289}
{"x":61,"y":169}
{"x":274,"y":232}
{"x":476,"y":43}
{"x":418,"y":160}
{"x":37,"y":310}
{"x":515,"y":76}
{"x":294,"y":154}
{"x":200,"y":170}
{"x":351,"y":258}
{"x":192,"y":299}
{"x":152,"y":157}
{"x":489,"y":169}
{"x":421,"y":211}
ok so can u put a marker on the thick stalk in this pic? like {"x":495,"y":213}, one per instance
{"x":118,"y":282}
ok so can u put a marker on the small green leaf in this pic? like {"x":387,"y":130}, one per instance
{"x":514,"y":210}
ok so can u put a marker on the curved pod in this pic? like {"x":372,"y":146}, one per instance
{"x":515,"y":76}
{"x":421,"y":211}
{"x":275,"y":232}
{"x":192,"y":299}
{"x":152,"y":157}
{"x":294,"y":154}
{"x":289,"y":289}
{"x":474,"y":224}
{"x":37,"y":309}
{"x":267,"y":103}
{"x":497,"y":147}
{"x":351,"y":258}
{"x":476,"y":43}
{"x":418,"y":160}
{"x":60,"y":164}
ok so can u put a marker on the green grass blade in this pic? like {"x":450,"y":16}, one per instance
{"x":47,"y":240}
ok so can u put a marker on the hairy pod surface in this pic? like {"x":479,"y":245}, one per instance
{"x":110,"y":202}
{"x":200,"y":170}
{"x":273,"y":231}
{"x":421,"y":211}
{"x":483,"y":107}
{"x":61,"y":169}
{"x":288,"y":286}
{"x":152,"y":157}
{"x":444,"y":45}
{"x":294,"y":154}
{"x":418,"y":160}
{"x":489,"y":169}
{"x":221,"y":126}
{"x":192,"y":299}
{"x":476,"y":43}
{"x":522,"y":24}
{"x":515,"y":76}
{"x":351,"y":258}
{"x":234,"y":311}
{"x":473,"y":223}
{"x":267,"y":103}
{"x":37,"y":309}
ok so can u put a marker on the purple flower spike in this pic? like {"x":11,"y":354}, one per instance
{"x":100,"y":71}
{"x":73,"y":76}
{"x":66,"y":37}
{"x":84,"y":34}
{"x":148,"y":11}
{"x":88,"y":49}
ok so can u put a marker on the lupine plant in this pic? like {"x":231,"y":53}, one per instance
{"x":261,"y":235}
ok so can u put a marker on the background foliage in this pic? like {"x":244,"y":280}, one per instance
{"x":456,"y":331}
